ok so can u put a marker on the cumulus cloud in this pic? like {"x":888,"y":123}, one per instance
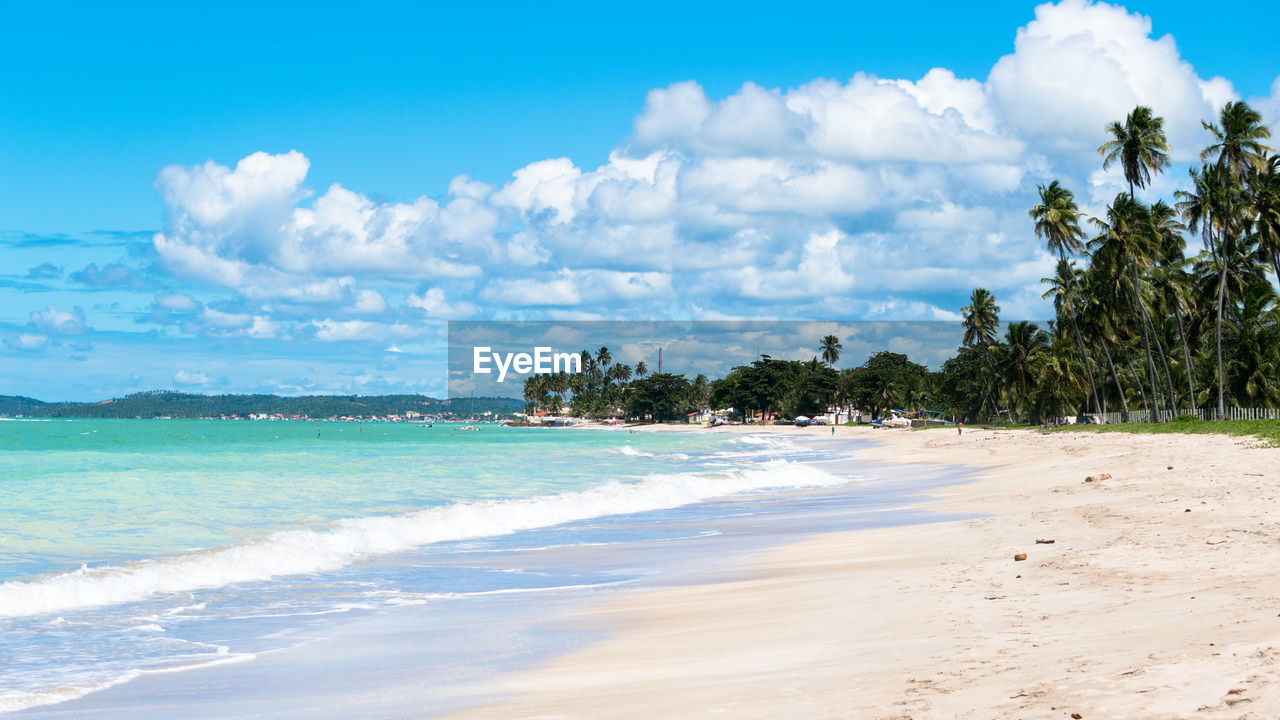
{"x":1080,"y":65}
{"x":432,"y":301}
{"x":52,"y":321}
{"x":27,"y":341}
{"x":329,"y":330}
{"x":186,"y":377}
{"x":369,"y":302}
{"x":863,"y":193}
{"x":177,"y":302}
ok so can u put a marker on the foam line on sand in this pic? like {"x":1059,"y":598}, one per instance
{"x":1156,"y":599}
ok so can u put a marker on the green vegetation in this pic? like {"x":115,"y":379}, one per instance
{"x":185,"y":405}
{"x":1266,"y":430}
{"x":1140,"y":324}
{"x":765,"y":387}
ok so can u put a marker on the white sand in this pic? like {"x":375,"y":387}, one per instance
{"x":1139,"y":609}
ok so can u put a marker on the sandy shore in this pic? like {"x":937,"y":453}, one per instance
{"x":1159,"y":598}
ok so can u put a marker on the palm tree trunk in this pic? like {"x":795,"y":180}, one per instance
{"x":1164,"y":360}
{"x":1222,"y":289}
{"x":1137,"y":380}
{"x":1139,"y":312}
{"x":1186,"y":355}
{"x":1084,"y":357}
{"x":1106,"y":351}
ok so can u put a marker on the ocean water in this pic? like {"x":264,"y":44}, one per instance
{"x":160,"y":556}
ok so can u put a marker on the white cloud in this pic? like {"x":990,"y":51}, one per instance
{"x":820,"y":272}
{"x":432,"y":302}
{"x":369,"y":302}
{"x":225,"y":320}
{"x":177,"y":302}
{"x":713,"y":206}
{"x":52,"y":321}
{"x":262,"y":327}
{"x":1080,"y":65}
{"x":184,"y":377}
{"x":28,"y":341}
{"x":330,"y":330}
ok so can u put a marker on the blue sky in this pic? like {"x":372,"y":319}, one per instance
{"x":614,"y":165}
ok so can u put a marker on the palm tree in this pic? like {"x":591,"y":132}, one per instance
{"x":1171,"y":278}
{"x":1237,"y":141}
{"x":1139,"y":145}
{"x":1058,"y":224}
{"x":641,"y":369}
{"x":830,"y":347}
{"x":1101,"y":287}
{"x":1125,"y":239}
{"x":1018,"y":363}
{"x":981,"y":321}
{"x":1209,"y":207}
{"x":1264,"y":199}
{"x":620,"y":372}
{"x":981,"y":318}
{"x":604,"y":357}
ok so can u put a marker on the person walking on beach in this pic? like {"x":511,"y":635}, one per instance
{"x":959,"y":428}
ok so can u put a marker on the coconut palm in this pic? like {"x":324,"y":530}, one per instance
{"x":642,"y":369}
{"x":1209,"y":208}
{"x":1264,"y":201}
{"x":1018,"y":361}
{"x":1170,"y":279}
{"x":1125,"y":240}
{"x":1237,"y":141}
{"x":1139,"y":146}
{"x":620,"y":372}
{"x":830,"y":347}
{"x":1057,"y":220}
{"x":981,"y":318}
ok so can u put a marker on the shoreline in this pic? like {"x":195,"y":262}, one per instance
{"x":1155,"y":599}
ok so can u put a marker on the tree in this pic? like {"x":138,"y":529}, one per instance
{"x":981,"y":318}
{"x":660,"y":395}
{"x":830,"y":347}
{"x":1057,"y":221}
{"x":1237,"y":141}
{"x":885,"y":380}
{"x":1139,"y":145}
{"x":1018,"y":361}
{"x":1264,"y":199}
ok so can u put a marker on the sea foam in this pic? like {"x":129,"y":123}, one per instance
{"x":308,"y":550}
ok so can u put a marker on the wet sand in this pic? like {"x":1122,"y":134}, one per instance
{"x":1158,"y":598}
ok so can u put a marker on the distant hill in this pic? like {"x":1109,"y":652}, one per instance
{"x":186,"y":405}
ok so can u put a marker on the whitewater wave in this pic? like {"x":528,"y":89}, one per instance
{"x":309,"y":550}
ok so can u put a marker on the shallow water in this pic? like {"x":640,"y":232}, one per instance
{"x":157,"y":554}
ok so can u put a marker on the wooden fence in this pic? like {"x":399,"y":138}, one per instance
{"x":1232,"y":413}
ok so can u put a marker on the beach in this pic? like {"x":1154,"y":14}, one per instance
{"x":1155,"y":599}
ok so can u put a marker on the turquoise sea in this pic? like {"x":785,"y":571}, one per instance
{"x":131,"y":550}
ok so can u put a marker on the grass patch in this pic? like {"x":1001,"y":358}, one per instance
{"x":1266,"y":430}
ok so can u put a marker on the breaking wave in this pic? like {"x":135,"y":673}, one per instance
{"x":308,"y":550}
